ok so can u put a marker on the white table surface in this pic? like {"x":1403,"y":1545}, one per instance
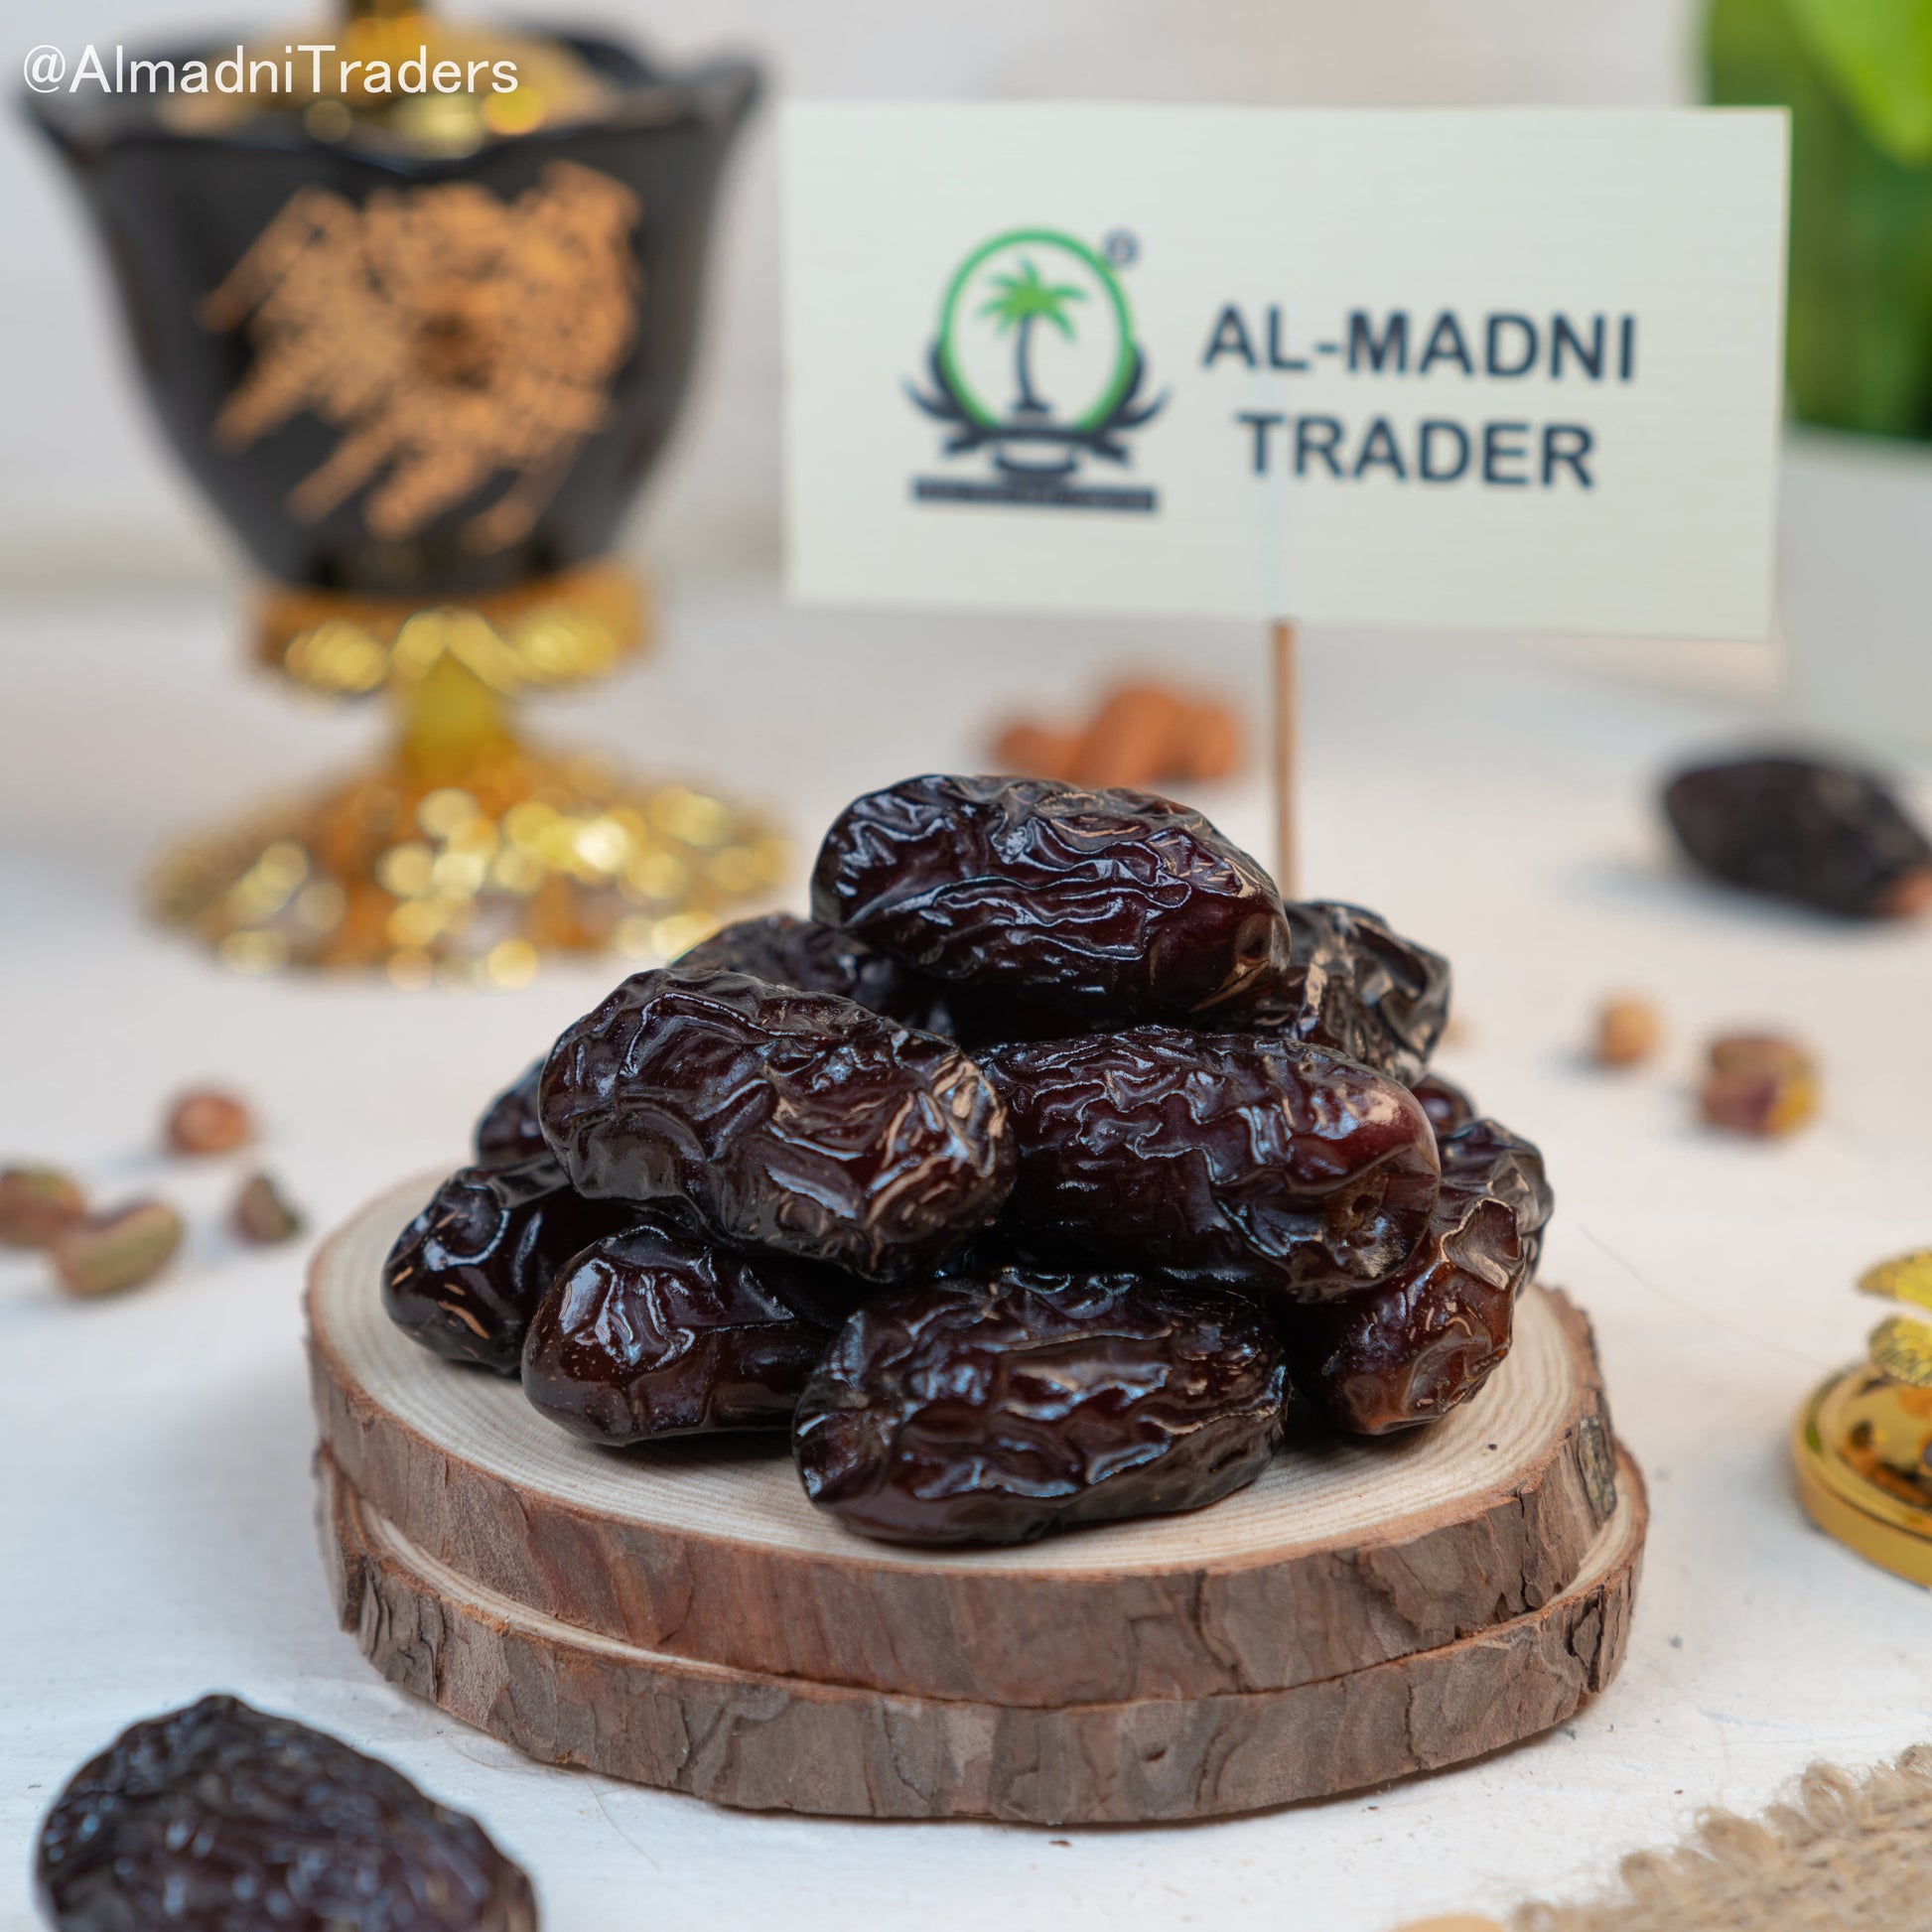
{"x":156,"y":1516}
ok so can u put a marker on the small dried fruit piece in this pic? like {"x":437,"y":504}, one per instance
{"x":208,"y":1121}
{"x":1239,"y":1157}
{"x":508,"y":1132}
{"x":1209,"y":743}
{"x":1112,"y":907}
{"x":221,"y":1817}
{"x":1630,"y":1029}
{"x":1130,"y":739}
{"x":1758,"y":1084}
{"x":262,"y":1215}
{"x":797,"y":1122}
{"x":1821,"y":835}
{"x":786,"y":951}
{"x":1146,"y":734}
{"x":1141,"y":735}
{"x":1036,"y":752}
{"x":994,"y":1410}
{"x":1413,"y":1347}
{"x":466,"y":1274}
{"x":36,"y":1204}
{"x":125,"y":1248}
{"x":1358,"y":988}
{"x":783,"y":950}
{"x":658,"y":1331}
{"x":1445,"y":1104}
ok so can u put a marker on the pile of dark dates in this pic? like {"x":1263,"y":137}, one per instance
{"x":1020,"y":1183}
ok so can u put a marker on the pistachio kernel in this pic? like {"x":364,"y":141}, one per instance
{"x":261,"y":1216}
{"x":36,"y":1204}
{"x":106,"y":1254}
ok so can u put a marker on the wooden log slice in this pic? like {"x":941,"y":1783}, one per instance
{"x":737,"y":1737}
{"x":1341,"y":1557}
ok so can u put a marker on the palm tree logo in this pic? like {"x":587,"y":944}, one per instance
{"x":1021,"y":291}
{"x":1023,"y":301}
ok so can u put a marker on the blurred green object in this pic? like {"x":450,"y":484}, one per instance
{"x":1856,"y":75}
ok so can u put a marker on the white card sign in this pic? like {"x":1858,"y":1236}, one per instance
{"x":1470,"y":367}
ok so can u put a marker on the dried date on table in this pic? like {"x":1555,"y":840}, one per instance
{"x":798,"y":1122}
{"x":1358,"y":988}
{"x":1795,"y":829}
{"x":1241,"y":1158}
{"x":657,"y":1333}
{"x":1413,"y":1347}
{"x":466,"y":1274}
{"x":220,"y":1818}
{"x":1111,"y":906}
{"x":991,"y":1411}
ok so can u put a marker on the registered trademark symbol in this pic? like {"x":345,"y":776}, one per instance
{"x":1122,"y":247}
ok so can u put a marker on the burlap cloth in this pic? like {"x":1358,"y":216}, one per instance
{"x":1847,"y":1854}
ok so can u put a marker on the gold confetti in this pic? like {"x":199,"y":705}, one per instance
{"x":445,"y":813}
{"x":404,"y":869}
{"x":510,"y":964}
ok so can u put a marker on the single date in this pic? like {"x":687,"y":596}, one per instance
{"x":1821,"y":835}
{"x":509,"y":1131}
{"x":1415,"y":1346}
{"x":1358,"y":988}
{"x":1110,"y":906}
{"x":658,"y":1332}
{"x":466,"y":1274}
{"x":991,"y":1411}
{"x":221,"y":1817}
{"x":820,"y":958}
{"x":1242,"y":1157}
{"x":789,"y":1121}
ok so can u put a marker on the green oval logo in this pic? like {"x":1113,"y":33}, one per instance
{"x":1035,"y":328}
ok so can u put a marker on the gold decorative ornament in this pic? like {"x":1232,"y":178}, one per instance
{"x":467,"y":854}
{"x":558,"y":630}
{"x":1862,"y":1445}
{"x":417,"y":305}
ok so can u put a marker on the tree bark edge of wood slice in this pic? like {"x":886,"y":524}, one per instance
{"x":758,"y":1742}
{"x":646,"y":1548}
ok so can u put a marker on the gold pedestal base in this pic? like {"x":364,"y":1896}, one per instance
{"x":469,"y":854}
{"x":1859,"y":1448}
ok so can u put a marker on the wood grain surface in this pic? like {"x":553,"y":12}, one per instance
{"x":1341,"y":1558}
{"x":567,"y":1695}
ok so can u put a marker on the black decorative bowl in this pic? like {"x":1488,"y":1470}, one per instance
{"x":400,"y":373}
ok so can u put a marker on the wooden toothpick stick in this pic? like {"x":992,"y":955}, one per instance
{"x":1286,"y":860}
